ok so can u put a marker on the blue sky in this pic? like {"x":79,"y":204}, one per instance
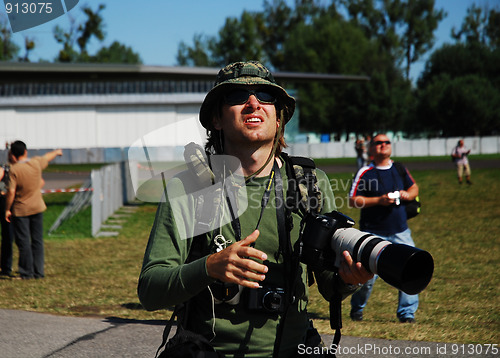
{"x":154,"y":28}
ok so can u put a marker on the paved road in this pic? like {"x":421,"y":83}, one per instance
{"x":37,"y":335}
{"x":63,"y":180}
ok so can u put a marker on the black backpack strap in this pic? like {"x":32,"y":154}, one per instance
{"x":400,"y":168}
{"x":168,"y":326}
{"x":303,"y":191}
{"x":412,"y":207}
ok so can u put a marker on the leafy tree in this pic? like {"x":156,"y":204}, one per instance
{"x":29,"y":45}
{"x":479,"y":26}
{"x":81,"y":34}
{"x":460,"y":106}
{"x":8,"y":49}
{"x":116,"y":53}
{"x":198,"y":55}
{"x":238,"y":40}
{"x":459,"y":89}
{"x":92,"y":27}
{"x":420,"y":21}
{"x":461,"y":60}
{"x":404,"y":28}
{"x":255,"y":35}
{"x":348,"y":107}
{"x":67,"y":39}
{"x":371,"y":37}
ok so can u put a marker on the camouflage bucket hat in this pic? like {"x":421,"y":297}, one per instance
{"x":244,"y":73}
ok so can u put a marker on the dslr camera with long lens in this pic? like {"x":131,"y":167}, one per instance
{"x":325,"y":237}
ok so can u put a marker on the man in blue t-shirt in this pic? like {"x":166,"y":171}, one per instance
{"x":378,"y":190}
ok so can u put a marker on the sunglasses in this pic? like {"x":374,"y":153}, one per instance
{"x":380,"y":142}
{"x":240,"y":96}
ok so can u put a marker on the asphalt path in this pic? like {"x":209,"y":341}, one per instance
{"x":63,"y":180}
{"x":38,"y":335}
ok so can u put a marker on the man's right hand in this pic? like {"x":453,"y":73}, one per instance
{"x":384,"y":200}
{"x":234,"y":264}
{"x":8,"y":215}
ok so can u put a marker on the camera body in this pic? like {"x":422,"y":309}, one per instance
{"x":396,"y":195}
{"x":315,"y":246}
{"x":263,"y":299}
{"x":266,"y":299}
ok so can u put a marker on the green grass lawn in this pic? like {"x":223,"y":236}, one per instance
{"x":459,"y":226}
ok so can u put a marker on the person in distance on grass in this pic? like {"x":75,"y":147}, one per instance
{"x":244,"y":115}
{"x":25,"y":207}
{"x":382,"y":215}
{"x":460,"y":155}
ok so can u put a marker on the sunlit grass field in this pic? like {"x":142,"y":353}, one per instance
{"x":459,"y":226}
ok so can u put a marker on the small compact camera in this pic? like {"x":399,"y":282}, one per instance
{"x":266,"y":299}
{"x":396,"y":195}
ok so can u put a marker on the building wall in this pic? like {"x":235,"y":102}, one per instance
{"x":153,"y":127}
{"x":104,"y":122}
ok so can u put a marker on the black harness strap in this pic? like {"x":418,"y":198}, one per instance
{"x":285,"y":249}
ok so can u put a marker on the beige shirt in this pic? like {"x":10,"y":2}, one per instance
{"x":26,"y":178}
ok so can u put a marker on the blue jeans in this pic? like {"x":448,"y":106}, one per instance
{"x":360,"y":161}
{"x":407,"y":304}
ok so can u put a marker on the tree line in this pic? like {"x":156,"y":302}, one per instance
{"x":74,"y":41}
{"x":458,"y":93}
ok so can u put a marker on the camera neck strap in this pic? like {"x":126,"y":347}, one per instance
{"x":274,"y":178}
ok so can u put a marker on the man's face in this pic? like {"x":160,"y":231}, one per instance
{"x":382,"y":147}
{"x":249,"y":123}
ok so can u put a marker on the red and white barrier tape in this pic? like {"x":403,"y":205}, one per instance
{"x":47,"y":191}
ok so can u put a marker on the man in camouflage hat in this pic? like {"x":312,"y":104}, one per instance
{"x":237,"y":287}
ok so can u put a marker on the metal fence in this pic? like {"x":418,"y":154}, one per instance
{"x":111,"y":190}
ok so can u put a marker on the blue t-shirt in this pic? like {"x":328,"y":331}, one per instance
{"x":372,"y":181}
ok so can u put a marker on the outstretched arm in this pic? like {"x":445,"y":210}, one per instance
{"x":50,"y":156}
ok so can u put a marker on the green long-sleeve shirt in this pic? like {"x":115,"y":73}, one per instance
{"x":166,"y":279}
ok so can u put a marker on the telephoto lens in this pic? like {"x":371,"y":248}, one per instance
{"x":405,"y":267}
{"x":325,"y":237}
